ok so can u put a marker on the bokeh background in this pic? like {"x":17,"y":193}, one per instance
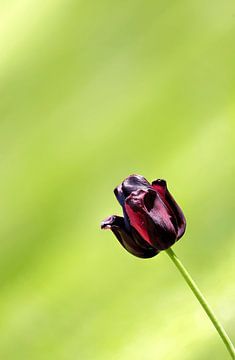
{"x":92,"y":91}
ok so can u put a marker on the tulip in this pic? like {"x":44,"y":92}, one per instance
{"x":152,"y":221}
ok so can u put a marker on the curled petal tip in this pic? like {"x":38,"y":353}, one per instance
{"x":130,"y":240}
{"x":107,"y":223}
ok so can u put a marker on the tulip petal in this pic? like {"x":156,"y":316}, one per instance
{"x":151,"y":218}
{"x":121,"y":199}
{"x":133,"y":183}
{"x":119,"y":195}
{"x":131,"y":241}
{"x":161,"y":187}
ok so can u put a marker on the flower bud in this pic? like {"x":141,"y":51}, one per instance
{"x":152,"y":221}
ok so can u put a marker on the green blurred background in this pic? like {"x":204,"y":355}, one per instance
{"x":90,"y":93}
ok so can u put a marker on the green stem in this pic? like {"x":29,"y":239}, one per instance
{"x":203,"y":302}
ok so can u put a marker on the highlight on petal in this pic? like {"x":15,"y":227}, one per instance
{"x":131,"y":241}
{"x":133,"y":183}
{"x":151,"y":218}
{"x":161,"y":187}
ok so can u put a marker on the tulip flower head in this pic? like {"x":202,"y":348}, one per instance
{"x":152,"y":221}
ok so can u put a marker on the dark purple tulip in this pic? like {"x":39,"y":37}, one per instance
{"x":152,"y":219}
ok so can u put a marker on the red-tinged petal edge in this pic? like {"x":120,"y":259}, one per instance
{"x":161,"y":187}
